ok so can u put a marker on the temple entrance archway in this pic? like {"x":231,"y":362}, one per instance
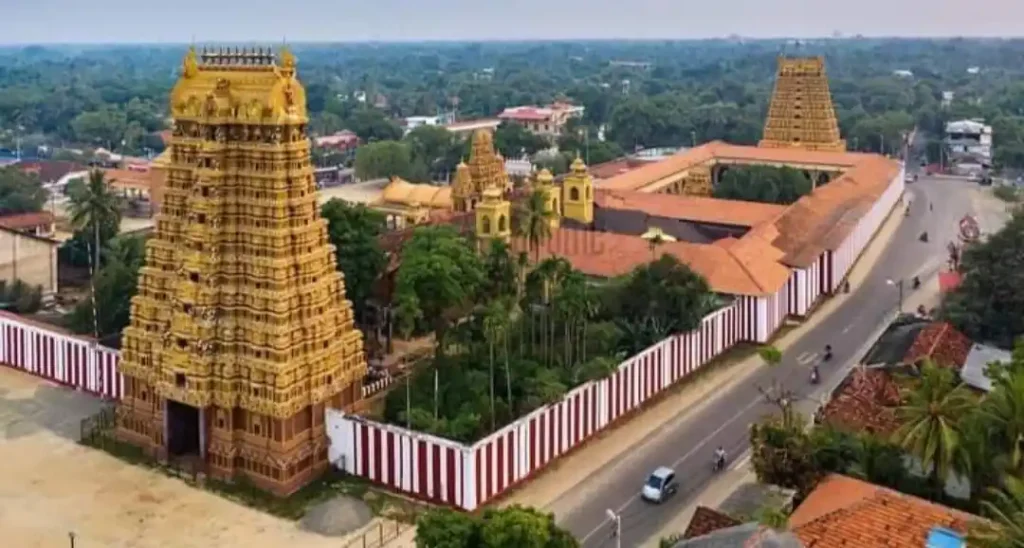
{"x":183,"y":429}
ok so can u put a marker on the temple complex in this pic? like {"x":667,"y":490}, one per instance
{"x":240,"y":331}
{"x":801,"y":114}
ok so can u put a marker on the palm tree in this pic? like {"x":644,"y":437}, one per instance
{"x":1002,"y":416}
{"x":1005,"y":507}
{"x":93,"y":208}
{"x":494,"y":320}
{"x":930,"y":417}
{"x":534,"y":221}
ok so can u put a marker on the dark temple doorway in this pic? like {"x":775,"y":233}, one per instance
{"x":182,"y":429}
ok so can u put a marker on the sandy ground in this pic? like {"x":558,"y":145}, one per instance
{"x":50,"y":486}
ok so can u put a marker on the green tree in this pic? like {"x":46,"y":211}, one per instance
{"x":104,"y":127}
{"x":435,"y":148}
{"x":668,"y":292}
{"x":774,"y":185}
{"x":94,"y":210}
{"x":930,"y":418}
{"x":354,"y":230}
{"x":386,"y":159}
{"x":500,"y":271}
{"x":437,"y":281}
{"x":19,"y":192}
{"x":771,"y":355}
{"x":371,"y":125}
{"x":444,"y":528}
{"x":114,"y":286}
{"x":533,"y":221}
{"x":1005,"y":507}
{"x":986,"y":305}
{"x":513,"y":140}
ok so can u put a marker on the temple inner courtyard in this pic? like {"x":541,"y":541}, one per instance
{"x":50,"y":486}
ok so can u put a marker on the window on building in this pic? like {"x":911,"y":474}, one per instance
{"x":574,"y":193}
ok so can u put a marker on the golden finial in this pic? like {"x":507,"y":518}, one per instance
{"x":287,"y":59}
{"x":190,"y":66}
{"x":578,"y":166}
{"x":545,"y":177}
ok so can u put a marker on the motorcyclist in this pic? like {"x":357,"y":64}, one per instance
{"x":828,"y":351}
{"x":814,"y":374}
{"x":719,"y":457}
{"x":917,"y":282}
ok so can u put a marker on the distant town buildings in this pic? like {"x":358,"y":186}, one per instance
{"x":968,"y":146}
{"x":903,"y":74}
{"x":343,"y":141}
{"x":546,"y":121}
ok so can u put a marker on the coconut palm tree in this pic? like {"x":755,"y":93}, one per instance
{"x":534,"y":221}
{"x":95,"y":209}
{"x":931,"y":427}
{"x":1005,"y":507}
{"x":1002,"y":416}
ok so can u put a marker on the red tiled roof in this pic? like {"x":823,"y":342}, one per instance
{"x":50,"y":171}
{"x":941,"y":342}
{"x":526,"y":113}
{"x":730,"y":266}
{"x":690,"y":208}
{"x":706,"y":520}
{"x":844,"y":512}
{"x":867,"y":401}
{"x":610,"y":169}
{"x":22,"y":221}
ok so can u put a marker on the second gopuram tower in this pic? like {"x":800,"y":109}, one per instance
{"x":801,"y":114}
{"x":240,"y":331}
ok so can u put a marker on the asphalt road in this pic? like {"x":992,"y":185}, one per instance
{"x":687,"y":442}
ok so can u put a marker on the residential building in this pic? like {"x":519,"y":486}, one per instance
{"x":968,"y":145}
{"x":29,"y":258}
{"x":546,"y":121}
{"x":40,"y":223}
{"x":840,"y":511}
{"x":343,"y":141}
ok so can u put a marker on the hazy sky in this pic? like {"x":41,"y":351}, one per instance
{"x":35,"y":21}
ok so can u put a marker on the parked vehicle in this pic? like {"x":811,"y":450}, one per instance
{"x":660,"y":485}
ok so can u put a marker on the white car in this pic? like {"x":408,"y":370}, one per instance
{"x":660,"y":485}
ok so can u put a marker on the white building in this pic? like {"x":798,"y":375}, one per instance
{"x":969,"y":143}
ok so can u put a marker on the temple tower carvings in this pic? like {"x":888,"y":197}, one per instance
{"x":801,"y":114}
{"x":240,"y":332}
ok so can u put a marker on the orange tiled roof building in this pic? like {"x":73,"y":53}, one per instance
{"x":240,"y":332}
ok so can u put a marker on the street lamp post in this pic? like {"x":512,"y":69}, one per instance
{"x":71,"y":537}
{"x":898,"y":284}
{"x":617,"y":523}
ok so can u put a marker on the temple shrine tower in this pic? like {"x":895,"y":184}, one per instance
{"x":801,"y":114}
{"x":240,"y":332}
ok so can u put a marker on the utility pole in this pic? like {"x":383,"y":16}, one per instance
{"x":617,"y":524}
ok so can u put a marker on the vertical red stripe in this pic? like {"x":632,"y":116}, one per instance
{"x":532,"y":436}
{"x":393,"y":461}
{"x":481,"y":494}
{"x":499,"y":465}
{"x":454,"y":478}
{"x":362,"y":430}
{"x":421,"y":467}
{"x":512,"y":445}
{"x":435,"y":464}
{"x":378,"y":456}
{"x":577,"y":420}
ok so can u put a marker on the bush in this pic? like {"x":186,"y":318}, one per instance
{"x":1007,"y":193}
{"x":20,"y":297}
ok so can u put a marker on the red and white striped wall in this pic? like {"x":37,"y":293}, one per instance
{"x":804,"y":288}
{"x":466,"y":477}
{"x":421,"y":465}
{"x":849,"y":251}
{"x":59,"y":357}
{"x":377,"y":385}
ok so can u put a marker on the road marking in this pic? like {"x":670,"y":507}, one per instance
{"x":742,"y":462}
{"x":675,"y":465}
{"x":847,"y":329}
{"x":806,"y":358}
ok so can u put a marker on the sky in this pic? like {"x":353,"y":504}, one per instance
{"x":181,"y":21}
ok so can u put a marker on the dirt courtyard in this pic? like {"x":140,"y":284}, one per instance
{"x":50,"y":486}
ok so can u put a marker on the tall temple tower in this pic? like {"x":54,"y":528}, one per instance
{"x":463,"y":191}
{"x":801,"y":114}
{"x":545,"y":183}
{"x":486,"y":167}
{"x":493,"y":217}
{"x":240,"y":333}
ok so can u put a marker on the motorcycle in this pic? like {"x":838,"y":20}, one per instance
{"x":719,"y":464}
{"x":828,"y":352}
{"x":923,"y":237}
{"x":814,"y":375}
{"x":917,"y":282}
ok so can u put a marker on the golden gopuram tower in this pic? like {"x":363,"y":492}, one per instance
{"x":486,"y":167}
{"x":240,"y":332}
{"x":801,"y":114}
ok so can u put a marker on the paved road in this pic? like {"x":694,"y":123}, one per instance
{"x":687,"y":445}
